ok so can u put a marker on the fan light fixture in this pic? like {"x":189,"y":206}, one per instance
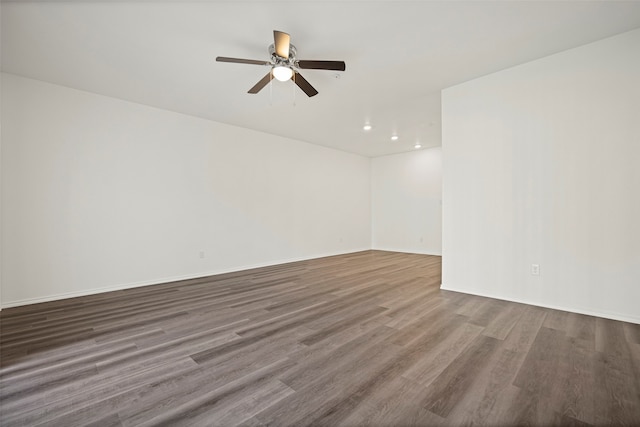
{"x":282,"y":73}
{"x":284,"y":65}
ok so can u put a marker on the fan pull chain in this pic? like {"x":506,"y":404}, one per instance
{"x":294,"y":89}
{"x":271,"y":90}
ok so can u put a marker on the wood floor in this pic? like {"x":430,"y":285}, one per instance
{"x":360,"y":339}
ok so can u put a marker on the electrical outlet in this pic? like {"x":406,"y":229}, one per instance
{"x":201,"y":254}
{"x":535,"y":269}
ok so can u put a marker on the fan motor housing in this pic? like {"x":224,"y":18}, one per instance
{"x":278,"y":60}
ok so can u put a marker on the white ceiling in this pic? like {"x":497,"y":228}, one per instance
{"x":399,"y":56}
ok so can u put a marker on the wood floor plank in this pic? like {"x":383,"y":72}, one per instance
{"x":489,"y":311}
{"x":344,"y":323}
{"x":502,"y":323}
{"x":319,"y":398}
{"x":582,"y":327}
{"x":450,"y":386}
{"x":632,"y":333}
{"x":531,"y":408}
{"x":316,"y":363}
{"x":573,"y":395}
{"x":438,"y":358}
{"x":489,"y":397}
{"x":616,"y":396}
{"x":103,"y":391}
{"x":366,"y":338}
{"x":542,"y":363}
{"x":399,"y":403}
{"x":195,"y":408}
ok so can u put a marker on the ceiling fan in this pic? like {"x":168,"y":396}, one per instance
{"x":285,"y":65}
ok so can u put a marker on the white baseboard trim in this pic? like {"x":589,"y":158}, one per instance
{"x":603,"y":314}
{"x":159,"y":281}
{"x":405,"y":251}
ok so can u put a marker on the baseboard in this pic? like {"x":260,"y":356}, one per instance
{"x":605,"y":315}
{"x":159,"y":281}
{"x":405,"y":251}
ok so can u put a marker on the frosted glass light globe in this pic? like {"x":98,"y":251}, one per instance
{"x":282,"y":73}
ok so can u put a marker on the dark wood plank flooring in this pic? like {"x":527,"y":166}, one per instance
{"x":359,"y":339}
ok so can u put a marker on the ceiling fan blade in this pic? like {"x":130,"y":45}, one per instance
{"x":282,"y":41}
{"x":242,"y":61}
{"x":262,"y":83}
{"x":303,"y":84}
{"x":322,"y":65}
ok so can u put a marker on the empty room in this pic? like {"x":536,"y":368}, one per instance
{"x":322,"y":213}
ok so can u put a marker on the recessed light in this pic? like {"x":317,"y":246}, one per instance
{"x":367,"y":126}
{"x":394,"y":138}
{"x":417,"y":145}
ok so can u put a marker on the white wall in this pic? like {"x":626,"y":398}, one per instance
{"x":542,"y":166}
{"x":99,"y":193}
{"x":0,"y":163}
{"x":406,"y":202}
